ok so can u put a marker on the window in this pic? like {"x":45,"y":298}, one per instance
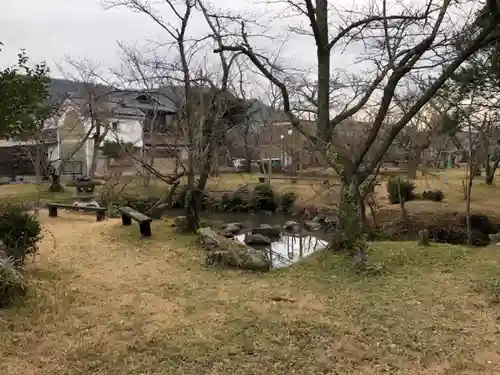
{"x":114,"y":126}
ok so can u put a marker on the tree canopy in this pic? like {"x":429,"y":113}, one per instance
{"x":23,"y":97}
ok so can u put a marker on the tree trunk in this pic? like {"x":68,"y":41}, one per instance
{"x":248,"y":157}
{"x":467,"y":203}
{"x":93,"y":162}
{"x":351,"y":216}
{"x":470,"y":176}
{"x":38,"y":170}
{"x":55,"y":184}
{"x":490,"y":170}
{"x":414,"y":163}
{"x":192,"y":213}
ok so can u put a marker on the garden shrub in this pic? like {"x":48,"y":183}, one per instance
{"x":12,"y":283}
{"x":182,"y":195}
{"x":400,"y":187}
{"x":236,"y":202}
{"x":433,"y":195}
{"x":287,"y":201}
{"x":457,"y":236}
{"x":20,"y":232}
{"x":481,"y":223}
{"x":263,"y":198}
{"x":138,"y":203}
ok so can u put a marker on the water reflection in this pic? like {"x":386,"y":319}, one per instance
{"x":289,"y":248}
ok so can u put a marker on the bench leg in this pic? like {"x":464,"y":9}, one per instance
{"x":145,"y":229}
{"x":101,"y":215}
{"x":126,"y":220}
{"x":52,"y":211}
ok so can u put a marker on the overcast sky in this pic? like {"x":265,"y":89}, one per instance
{"x":51,"y":29}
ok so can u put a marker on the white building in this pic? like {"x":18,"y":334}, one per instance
{"x":124,"y":117}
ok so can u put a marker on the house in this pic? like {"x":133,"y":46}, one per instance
{"x":144,"y":120}
{"x":18,"y":156}
{"x":148,"y":120}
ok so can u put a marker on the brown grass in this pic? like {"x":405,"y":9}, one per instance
{"x":104,"y":302}
{"x":309,"y":191}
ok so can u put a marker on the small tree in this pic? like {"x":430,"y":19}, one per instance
{"x":23,"y":98}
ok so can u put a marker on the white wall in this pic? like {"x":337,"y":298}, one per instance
{"x":129,"y":130}
{"x":53,"y":154}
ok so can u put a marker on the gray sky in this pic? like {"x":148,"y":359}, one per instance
{"x":51,"y":29}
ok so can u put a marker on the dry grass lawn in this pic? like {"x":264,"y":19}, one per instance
{"x":309,"y":191}
{"x":103,"y":302}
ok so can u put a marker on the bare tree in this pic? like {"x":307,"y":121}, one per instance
{"x":93,"y":105}
{"x":263,"y":112}
{"x":398,"y":41}
{"x":205,"y":105}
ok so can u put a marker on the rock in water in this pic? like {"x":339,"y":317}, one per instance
{"x":291,"y":226}
{"x":267,"y":230}
{"x":312,"y":226}
{"x":257,"y":239}
{"x":232,"y":228}
{"x":319,"y":219}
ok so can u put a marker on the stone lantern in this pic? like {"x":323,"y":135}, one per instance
{"x":85,"y":193}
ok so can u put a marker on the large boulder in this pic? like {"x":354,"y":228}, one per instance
{"x":257,"y":239}
{"x":267,"y":230}
{"x":251,"y":260}
{"x":229,"y":253}
{"x":208,"y":238}
{"x":179,"y":222}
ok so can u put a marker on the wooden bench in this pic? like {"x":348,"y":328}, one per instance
{"x":100,"y":211}
{"x":129,"y":214}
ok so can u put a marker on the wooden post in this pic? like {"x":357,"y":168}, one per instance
{"x":423,"y":237}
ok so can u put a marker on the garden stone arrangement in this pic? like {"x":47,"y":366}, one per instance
{"x":261,"y":247}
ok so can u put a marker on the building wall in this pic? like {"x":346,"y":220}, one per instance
{"x":128,"y":130}
{"x":125,"y":130}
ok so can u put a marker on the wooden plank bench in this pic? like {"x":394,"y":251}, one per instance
{"x":100,"y":211}
{"x":129,"y":214}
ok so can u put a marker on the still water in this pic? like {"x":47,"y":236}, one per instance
{"x":289,"y":248}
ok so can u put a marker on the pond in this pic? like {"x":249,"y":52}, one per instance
{"x":289,"y":248}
